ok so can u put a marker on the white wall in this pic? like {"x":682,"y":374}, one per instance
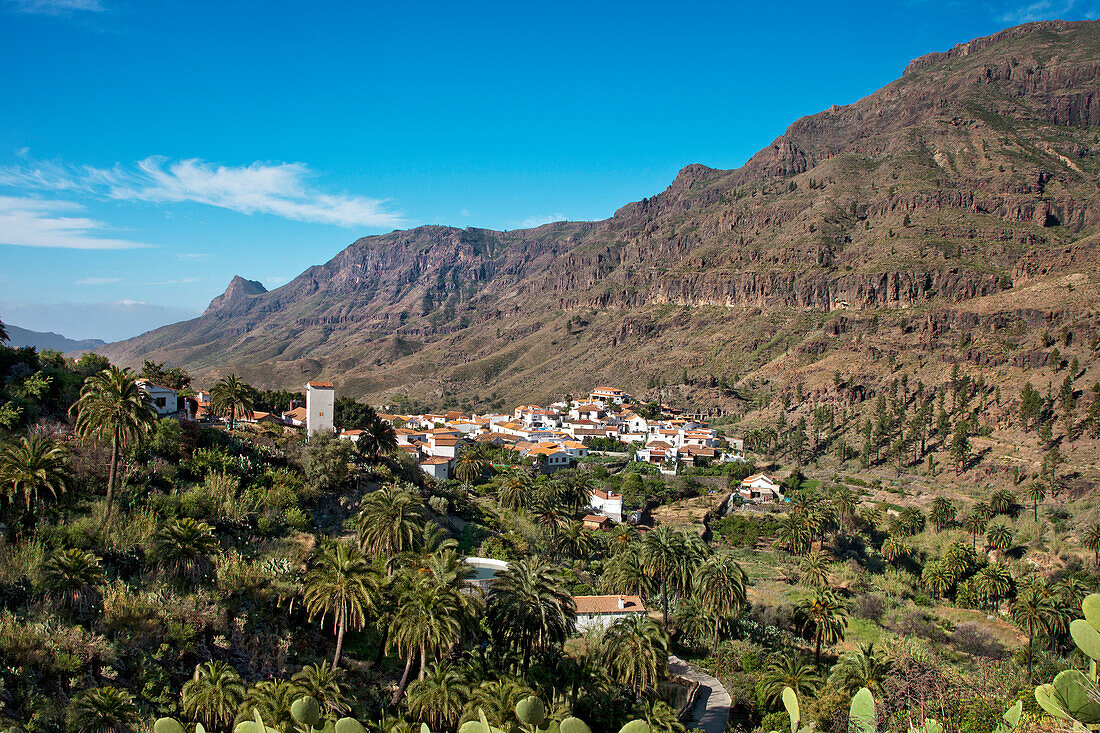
{"x":319,"y":406}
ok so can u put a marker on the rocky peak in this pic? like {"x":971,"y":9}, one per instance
{"x":240,"y":292}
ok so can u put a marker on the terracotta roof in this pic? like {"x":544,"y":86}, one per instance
{"x":596,"y":518}
{"x":749,"y":479}
{"x":607,"y":494}
{"x":445,"y":440}
{"x":608,"y":604}
{"x":438,"y":461}
{"x":298,"y":413}
{"x":320,"y":385}
{"x":353,"y":431}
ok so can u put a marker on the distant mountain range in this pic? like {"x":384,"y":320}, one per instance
{"x":952,"y":215}
{"x":22,"y":337}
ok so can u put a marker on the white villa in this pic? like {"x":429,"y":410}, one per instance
{"x":607,"y":503}
{"x":602,"y":611}
{"x":760,"y":488}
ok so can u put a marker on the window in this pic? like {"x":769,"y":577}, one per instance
{"x":161,"y":401}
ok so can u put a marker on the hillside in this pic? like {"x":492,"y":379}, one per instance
{"x":962,"y":197}
{"x":49,"y":340}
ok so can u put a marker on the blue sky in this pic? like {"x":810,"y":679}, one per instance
{"x":149,"y":151}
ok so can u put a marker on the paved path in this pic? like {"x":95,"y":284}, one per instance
{"x":712,"y":703}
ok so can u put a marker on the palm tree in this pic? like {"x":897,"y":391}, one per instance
{"x":795,"y":532}
{"x":322,"y":683}
{"x":720,"y":585}
{"x":497,"y":699}
{"x":3,"y":333}
{"x":342,"y":583}
{"x":1030,"y":612}
{"x":530,"y":608}
{"x":185,"y":549}
{"x":959,"y":560}
{"x":272,"y":700}
{"x":515,"y":488}
{"x":1002,"y":502}
{"x":893,"y":549}
{"x":427,"y":620}
{"x":822,"y":615}
{"x":635,"y":652}
{"x":1091,"y":541}
{"x":213,"y":696}
{"x":390,"y":521}
{"x":104,"y":710}
{"x":34,"y":465}
{"x":438,"y":697}
{"x":937,"y":578}
{"x":999,"y":537}
{"x":669,"y":556}
{"x":469,"y":466}
{"x":659,"y":716}
{"x":232,"y":398}
{"x":943,"y":513}
{"x":113,"y":407}
{"x":994,"y":582}
{"x":73,"y":578}
{"x":815,"y":570}
{"x":866,"y":667}
{"x":975,"y":524}
{"x":577,"y":541}
{"x":625,"y":573}
{"x":1036,"y":492}
{"x":792,"y":671}
{"x":378,"y":438}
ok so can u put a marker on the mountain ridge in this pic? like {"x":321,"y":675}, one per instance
{"x":40,"y":340}
{"x":971,"y":174}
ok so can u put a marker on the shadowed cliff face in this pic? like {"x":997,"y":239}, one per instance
{"x":973,"y":174}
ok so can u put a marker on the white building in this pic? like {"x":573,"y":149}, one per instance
{"x":607,"y":503}
{"x":608,"y":395}
{"x":320,"y":402}
{"x":759,"y":488}
{"x":438,"y":468}
{"x":602,"y":611}
{"x":164,"y":399}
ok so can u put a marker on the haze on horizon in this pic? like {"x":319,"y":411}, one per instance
{"x":151,"y":154}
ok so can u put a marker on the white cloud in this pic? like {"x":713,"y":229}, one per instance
{"x":280,"y":189}
{"x":58,"y":7}
{"x":98,"y":280}
{"x":178,"y":281}
{"x":536,"y":221}
{"x":27,"y":222}
{"x":1050,"y":10}
{"x":193,"y":256}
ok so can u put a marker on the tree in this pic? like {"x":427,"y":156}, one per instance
{"x":1051,"y":461}
{"x":795,"y":532}
{"x":3,"y":333}
{"x":530,"y":607}
{"x":1003,"y":501}
{"x":377,"y":440}
{"x":1031,"y":404}
{"x":942,"y":514}
{"x":438,"y":697}
{"x":426,"y":621}
{"x":1036,"y":492}
{"x":635,"y":652}
{"x":104,"y":710}
{"x":185,"y":549}
{"x":960,"y":445}
{"x":232,"y":398}
{"x":993,"y":582}
{"x":866,"y":667}
{"x":322,"y":683}
{"x":720,"y":586}
{"x":793,"y":671}
{"x":822,"y":616}
{"x":341,"y":583}
{"x":669,"y":555}
{"x":390,"y":521}
{"x":1030,"y":612}
{"x":625,"y":573}
{"x":32,"y":466}
{"x":893,"y":549}
{"x":815,"y":570}
{"x":974,"y":524}
{"x":73,"y":579}
{"x":469,"y":467}
{"x":213,"y":696}
{"x":1091,"y":541}
{"x":326,"y":461}
{"x":937,"y":578}
{"x":999,"y":537}
{"x":514,"y":489}
{"x":113,"y":407}
{"x":272,"y":700}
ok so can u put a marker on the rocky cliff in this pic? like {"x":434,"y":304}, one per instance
{"x":959,"y":188}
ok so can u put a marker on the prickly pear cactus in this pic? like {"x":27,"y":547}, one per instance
{"x":1071,"y":695}
{"x":861,"y":715}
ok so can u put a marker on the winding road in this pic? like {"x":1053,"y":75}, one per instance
{"x":712,"y":703}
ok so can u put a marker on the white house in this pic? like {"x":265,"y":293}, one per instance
{"x":296,"y":417}
{"x":164,"y":399}
{"x":320,"y":402}
{"x":437,"y":467}
{"x":760,"y":488}
{"x":602,"y":611}
{"x":609,"y":395}
{"x":607,"y":503}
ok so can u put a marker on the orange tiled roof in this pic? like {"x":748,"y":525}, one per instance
{"x":320,"y":385}
{"x":608,"y":604}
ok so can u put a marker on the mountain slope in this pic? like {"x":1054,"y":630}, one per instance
{"x":941,"y":200}
{"x":50,"y":340}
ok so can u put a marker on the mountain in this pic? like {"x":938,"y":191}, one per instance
{"x":951,"y":215}
{"x":50,"y":340}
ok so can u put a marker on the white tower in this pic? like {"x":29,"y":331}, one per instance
{"x":320,"y":400}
